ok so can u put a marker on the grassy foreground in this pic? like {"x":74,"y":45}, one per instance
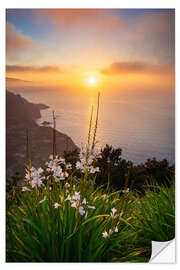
{"x":72,"y":221}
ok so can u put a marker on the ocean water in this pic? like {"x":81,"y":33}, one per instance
{"x":140,"y":123}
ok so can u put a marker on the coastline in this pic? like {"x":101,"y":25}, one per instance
{"x":20,"y":116}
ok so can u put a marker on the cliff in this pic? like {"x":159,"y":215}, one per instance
{"x":20,"y":116}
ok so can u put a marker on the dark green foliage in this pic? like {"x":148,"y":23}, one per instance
{"x":120,"y":173}
{"x":40,"y":233}
{"x":159,"y":170}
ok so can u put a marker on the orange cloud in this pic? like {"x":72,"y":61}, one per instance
{"x":133,"y":67}
{"x":15,"y":80}
{"x":32,"y":69}
{"x":149,"y":33}
{"x":15,"y":40}
{"x":95,"y":18}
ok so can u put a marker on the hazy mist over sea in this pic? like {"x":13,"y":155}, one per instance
{"x":141,"y":123}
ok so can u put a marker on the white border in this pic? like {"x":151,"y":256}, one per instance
{"x":75,"y":4}
{"x":90,"y":4}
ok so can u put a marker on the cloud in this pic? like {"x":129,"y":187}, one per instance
{"x":147,"y":33}
{"x":32,"y":69}
{"x":82,"y":18}
{"x":133,"y":67}
{"x":154,"y":35}
{"x":101,"y":33}
{"x":15,"y":80}
{"x":16,"y":42}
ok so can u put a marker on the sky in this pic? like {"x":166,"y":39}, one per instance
{"x":89,"y":49}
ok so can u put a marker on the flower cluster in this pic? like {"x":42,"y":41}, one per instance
{"x":81,"y":205}
{"x":113,"y":211}
{"x":106,"y":234}
{"x":54,"y":168}
{"x":34,"y":177}
{"x":87,"y":157}
{"x":111,"y":231}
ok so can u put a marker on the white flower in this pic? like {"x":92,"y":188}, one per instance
{"x":68,"y":198}
{"x":62,"y":160}
{"x":57,"y":171}
{"x":87,"y":157}
{"x":56,"y":205}
{"x":79,"y":165}
{"x":76,"y":196}
{"x":32,"y":169}
{"x":81,"y":211}
{"x":34,"y":177}
{"x":25,"y":189}
{"x":43,"y":200}
{"x":90,"y":159}
{"x":36,"y":182}
{"x":84,"y":201}
{"x":50,"y":164}
{"x":116,"y":229}
{"x":97,"y":169}
{"x":94,"y":170}
{"x":74,"y":204}
{"x":53,"y":166}
{"x":113,"y":211}
{"x":64,"y":175}
{"x":105,"y":234}
{"x":40,"y":170}
{"x":67,"y":185}
{"x":27,"y":175}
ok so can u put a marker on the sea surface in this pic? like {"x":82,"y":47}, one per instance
{"x":140,"y":123}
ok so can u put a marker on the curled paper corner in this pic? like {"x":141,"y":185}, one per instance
{"x":163,"y":252}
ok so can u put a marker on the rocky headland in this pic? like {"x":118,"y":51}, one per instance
{"x":21,"y":116}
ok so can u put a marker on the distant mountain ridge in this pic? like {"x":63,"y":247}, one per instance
{"x":20,"y":116}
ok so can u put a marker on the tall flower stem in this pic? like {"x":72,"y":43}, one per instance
{"x":90,"y":126}
{"x":96,"y":123}
{"x":28,"y":160}
{"x":54,"y":135}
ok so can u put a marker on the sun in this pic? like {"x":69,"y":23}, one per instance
{"x":92,"y":81}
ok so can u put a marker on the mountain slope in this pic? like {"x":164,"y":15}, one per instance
{"x":20,"y":116}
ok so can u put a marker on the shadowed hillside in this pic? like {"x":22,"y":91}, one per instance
{"x":20,"y":115}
